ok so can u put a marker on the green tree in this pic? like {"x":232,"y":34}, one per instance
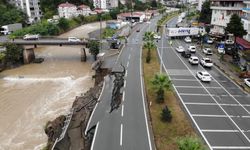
{"x":235,"y":26}
{"x":166,"y":114}
{"x":2,"y":56}
{"x":94,"y":48}
{"x":149,"y":45}
{"x":160,"y":83}
{"x":162,"y":10}
{"x":63,"y":24}
{"x":206,"y":12}
{"x":13,"y":53}
{"x":190,"y":143}
{"x":148,"y":36}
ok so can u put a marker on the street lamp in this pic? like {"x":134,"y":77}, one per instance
{"x":162,"y":48}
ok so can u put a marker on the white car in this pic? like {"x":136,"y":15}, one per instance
{"x":73,"y":39}
{"x":188,"y":39}
{"x":180,"y":49}
{"x":210,"y":41}
{"x":229,"y":42}
{"x":221,"y":50}
{"x":31,"y":37}
{"x":204,"y":76}
{"x":157,"y":37}
{"x":194,"y":60}
{"x":207,"y":51}
{"x":247,"y":81}
{"x":192,"y":49}
{"x":206,"y":62}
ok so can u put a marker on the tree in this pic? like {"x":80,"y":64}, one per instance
{"x":148,"y":36}
{"x":13,"y":53}
{"x":166,"y":114}
{"x":63,"y":24}
{"x":206,"y":12}
{"x":94,"y":48}
{"x":160,"y":83}
{"x":190,"y":143}
{"x":149,"y":45}
{"x":235,"y":26}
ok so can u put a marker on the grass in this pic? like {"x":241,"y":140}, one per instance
{"x":165,"y":134}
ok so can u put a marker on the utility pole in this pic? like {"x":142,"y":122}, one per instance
{"x":162,"y":38}
{"x":100,"y":31}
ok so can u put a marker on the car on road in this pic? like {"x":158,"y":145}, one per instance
{"x":180,"y":49}
{"x":193,"y":60}
{"x":31,"y":37}
{"x":206,"y":62}
{"x":192,"y":49}
{"x":186,"y":54}
{"x":204,"y":76}
{"x":157,"y":37}
{"x":73,"y":39}
{"x":207,"y":51}
{"x":188,"y":39}
{"x":247,"y":81}
{"x":229,"y":42}
{"x":210,"y":41}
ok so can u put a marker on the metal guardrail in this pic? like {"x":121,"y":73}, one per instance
{"x":65,"y":127}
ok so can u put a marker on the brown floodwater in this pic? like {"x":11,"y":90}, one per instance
{"x":33,"y":94}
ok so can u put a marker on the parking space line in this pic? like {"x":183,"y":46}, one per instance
{"x":220,"y":130}
{"x":183,"y":79}
{"x":192,"y":94}
{"x":219,"y":116}
{"x":231,"y":147}
{"x":190,"y":103}
{"x":197,"y":87}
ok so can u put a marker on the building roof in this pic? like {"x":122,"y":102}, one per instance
{"x":67,"y":4}
{"x":243,"y":43}
{"x":83,"y":6}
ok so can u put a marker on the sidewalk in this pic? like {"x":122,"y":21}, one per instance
{"x":224,"y":66}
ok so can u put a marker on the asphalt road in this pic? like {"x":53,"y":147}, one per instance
{"x":127,"y":127}
{"x":220,"y":110}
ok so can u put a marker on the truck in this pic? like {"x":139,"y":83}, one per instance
{"x":177,"y":32}
{"x":8,"y":29}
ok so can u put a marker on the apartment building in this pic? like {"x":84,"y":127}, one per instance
{"x":222,"y":11}
{"x":200,"y":3}
{"x":111,"y":4}
{"x":30,"y":7}
{"x":246,"y":19}
{"x":101,"y":4}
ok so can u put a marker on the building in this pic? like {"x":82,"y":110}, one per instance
{"x":135,"y":16}
{"x":102,"y":4}
{"x":111,"y":4}
{"x":30,"y":7}
{"x":246,"y":19}
{"x":200,"y":3}
{"x":222,"y":11}
{"x":68,"y":10}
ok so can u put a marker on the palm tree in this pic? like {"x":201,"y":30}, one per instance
{"x":190,"y":143}
{"x":148,"y":36}
{"x":149,"y":45}
{"x":160,"y":83}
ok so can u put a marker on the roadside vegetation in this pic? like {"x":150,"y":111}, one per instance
{"x":164,"y":19}
{"x":172,"y":129}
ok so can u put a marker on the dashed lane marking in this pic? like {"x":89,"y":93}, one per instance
{"x":231,"y":147}
{"x":121,"y":135}
{"x":198,"y":87}
{"x":122,"y":110}
{"x":220,"y":130}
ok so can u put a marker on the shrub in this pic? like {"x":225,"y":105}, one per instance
{"x":166,"y":115}
{"x":190,"y":143}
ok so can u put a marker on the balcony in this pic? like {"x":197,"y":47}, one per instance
{"x":225,"y":8}
{"x":246,"y":10}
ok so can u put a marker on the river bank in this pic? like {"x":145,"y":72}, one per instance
{"x":43,"y":92}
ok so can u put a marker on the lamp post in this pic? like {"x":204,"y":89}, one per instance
{"x":163,"y":36}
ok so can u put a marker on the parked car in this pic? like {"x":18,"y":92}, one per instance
{"x":221,"y":50}
{"x":193,"y":60}
{"x":186,"y":54}
{"x":247,"y":81}
{"x":204,"y":76}
{"x":206,"y":62}
{"x":192,"y":49}
{"x":180,"y":49}
{"x":210,"y":41}
{"x":188,"y":39}
{"x":229,"y":49}
{"x":207,"y":51}
{"x":138,"y":30}
{"x":229,"y":42}
{"x":73,"y":39}
{"x":31,"y":37}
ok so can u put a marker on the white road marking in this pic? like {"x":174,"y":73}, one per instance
{"x":219,"y":116}
{"x":215,"y":99}
{"x":192,"y":94}
{"x":93,"y":141}
{"x":127,"y":64}
{"x":183,"y":79}
{"x":231,"y":147}
{"x":126,"y":73}
{"x":122,"y":110}
{"x":125,"y":83}
{"x":190,"y":103}
{"x":129,"y":56}
{"x":210,"y":87}
{"x":220,"y":131}
{"x":123,"y":96}
{"x":94,"y":108}
{"x":121,"y":135}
